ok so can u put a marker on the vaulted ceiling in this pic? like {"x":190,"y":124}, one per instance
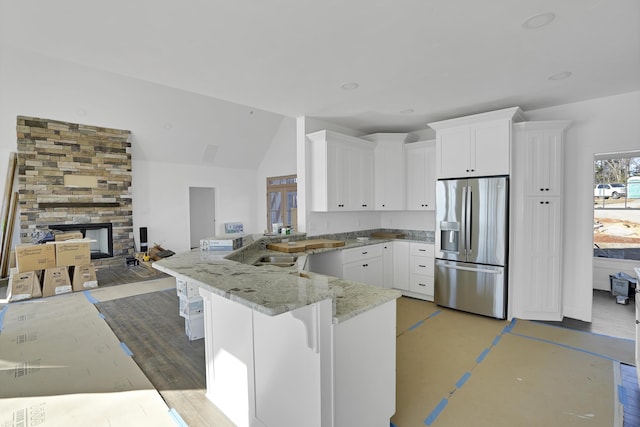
{"x":412,"y":61}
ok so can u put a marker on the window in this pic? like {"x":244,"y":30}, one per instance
{"x":616,"y":201}
{"x":282,"y":201}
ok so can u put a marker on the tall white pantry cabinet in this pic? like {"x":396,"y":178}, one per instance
{"x":536,"y":220}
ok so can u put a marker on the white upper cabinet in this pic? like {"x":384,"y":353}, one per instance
{"x":389,"y":181}
{"x":341,"y":172}
{"x":478,"y":145}
{"x":420,"y":160}
{"x":541,"y":146}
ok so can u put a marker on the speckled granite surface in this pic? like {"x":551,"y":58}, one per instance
{"x":275,"y":290}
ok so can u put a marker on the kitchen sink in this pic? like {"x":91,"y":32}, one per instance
{"x":277,"y":260}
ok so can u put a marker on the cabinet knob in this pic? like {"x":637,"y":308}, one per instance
{"x":365,"y":265}
{"x":364,"y":206}
{"x":542,"y":203}
{"x":546,"y":203}
{"x":546,"y":189}
{"x":421,"y":284}
{"x":542,"y":189}
{"x":364,"y":253}
{"x":421,"y":266}
{"x":383,"y":205}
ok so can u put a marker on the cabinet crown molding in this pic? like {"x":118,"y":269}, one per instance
{"x":326,"y":135}
{"x":560,"y":125}
{"x":514,"y":114}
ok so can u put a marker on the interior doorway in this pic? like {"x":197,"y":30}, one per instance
{"x":202,"y":217}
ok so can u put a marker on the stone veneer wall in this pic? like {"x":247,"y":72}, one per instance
{"x":48,"y":150}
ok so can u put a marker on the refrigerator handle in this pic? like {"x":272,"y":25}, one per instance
{"x":463,"y":223}
{"x":468,"y":222}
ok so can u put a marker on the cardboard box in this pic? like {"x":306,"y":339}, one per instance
{"x":194,"y":327}
{"x":84,"y":277}
{"x":73,"y":252}
{"x":56,"y":281}
{"x":191,"y":306}
{"x":622,"y":284}
{"x":35,"y":257}
{"x":69,"y":235}
{"x":23,"y":286}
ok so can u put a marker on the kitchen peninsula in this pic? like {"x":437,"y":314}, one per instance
{"x":285,"y":347}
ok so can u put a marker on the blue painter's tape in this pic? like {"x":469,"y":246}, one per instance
{"x":177,"y":418}
{"x":622,"y":395}
{"x":434,"y":314}
{"x":463,"y":379}
{"x":392,"y":424}
{"x":510,"y":326}
{"x":90,"y":297}
{"x":566,"y":346}
{"x":102,"y":316}
{"x":412,"y":327}
{"x":2,"y":313}
{"x":482,"y":355}
{"x":434,"y":414}
{"x":126,"y":349}
{"x":581,"y":332}
{"x":496,"y":340}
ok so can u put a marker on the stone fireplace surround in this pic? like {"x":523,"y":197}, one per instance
{"x":50,"y":149}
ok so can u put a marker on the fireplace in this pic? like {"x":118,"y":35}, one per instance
{"x":102,"y":233}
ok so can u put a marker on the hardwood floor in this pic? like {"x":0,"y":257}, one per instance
{"x":154,"y":332}
{"x":608,"y":317}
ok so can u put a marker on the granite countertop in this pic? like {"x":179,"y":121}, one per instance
{"x":275,"y":290}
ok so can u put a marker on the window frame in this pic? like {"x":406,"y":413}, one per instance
{"x":283,"y":189}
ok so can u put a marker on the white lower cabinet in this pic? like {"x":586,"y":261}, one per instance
{"x":363,"y":264}
{"x":401,"y":269}
{"x":413,"y":267}
{"x":422,"y":270}
{"x":299,"y":368}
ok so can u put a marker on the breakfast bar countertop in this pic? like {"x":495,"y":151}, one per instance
{"x":272,"y":290}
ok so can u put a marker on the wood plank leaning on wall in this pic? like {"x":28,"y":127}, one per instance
{"x":9,"y":207}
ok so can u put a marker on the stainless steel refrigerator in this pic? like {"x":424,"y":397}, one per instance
{"x":472,"y":225}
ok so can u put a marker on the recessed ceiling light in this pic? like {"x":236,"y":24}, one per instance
{"x":407,"y":111}
{"x":538,"y":21}
{"x":561,"y":76}
{"x":350,"y":86}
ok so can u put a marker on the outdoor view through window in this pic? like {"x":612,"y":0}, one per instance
{"x":616,"y":201}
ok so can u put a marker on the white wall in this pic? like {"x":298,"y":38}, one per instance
{"x":603,"y":125}
{"x":170,"y":129}
{"x":161,"y":199}
{"x":280,"y":159}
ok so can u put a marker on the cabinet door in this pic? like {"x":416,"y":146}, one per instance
{"x":540,"y":294}
{"x":401,"y":265}
{"x":372,"y":272}
{"x":338,"y":177}
{"x":389,"y":172}
{"x":421,"y":182}
{"x":489,"y":150}
{"x":543,"y":167}
{"x":367,"y":271}
{"x":453,"y":148}
{"x":387,"y":265}
{"x":362,"y":179}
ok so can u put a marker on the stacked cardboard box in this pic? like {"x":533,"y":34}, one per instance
{"x":48,"y":269}
{"x":191,"y":308}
